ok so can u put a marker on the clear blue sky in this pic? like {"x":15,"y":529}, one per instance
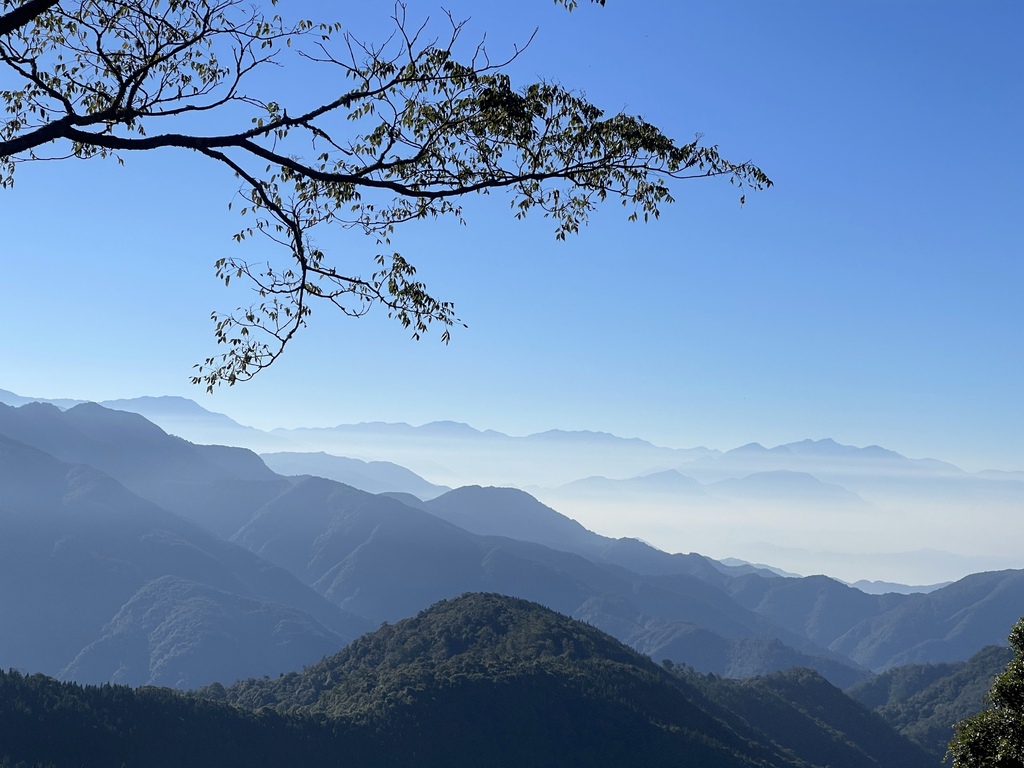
{"x":873,"y":296}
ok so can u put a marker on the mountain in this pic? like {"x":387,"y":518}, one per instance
{"x":756,"y":493}
{"x":825,"y":459}
{"x":964,"y":616}
{"x":480,"y":680}
{"x":669,"y":481}
{"x":883,"y":587}
{"x":882,"y":631}
{"x":369,"y":476}
{"x":515,"y":514}
{"x":187,"y":419}
{"x":175,"y":415}
{"x":216,"y":486}
{"x":379,"y":558}
{"x":100,"y":584}
{"x":44,"y":722}
{"x":166,"y":408}
{"x":901,"y":557}
{"x":182,"y":634}
{"x":382,"y":558}
{"x":733,"y":657}
{"x":511,"y":513}
{"x":9,"y":398}
{"x":948,"y":624}
{"x":569,"y":694}
{"x":809,"y":717}
{"x":817,"y":607}
{"x":923,"y":701}
{"x":451,"y":453}
{"x":852,"y":512}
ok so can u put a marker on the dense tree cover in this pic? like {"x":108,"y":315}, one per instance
{"x":923,"y":701}
{"x":422,"y":121}
{"x":485,"y":669}
{"x":994,"y":738}
{"x":802,"y":712}
{"x":43,"y":721}
{"x":479,"y":680}
{"x":487,"y":679}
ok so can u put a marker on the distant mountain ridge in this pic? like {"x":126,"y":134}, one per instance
{"x":216,"y":486}
{"x":369,"y":476}
{"x":166,"y":408}
{"x":385,"y":557}
{"x":672,"y":496}
{"x":77,"y":549}
{"x":115,"y":565}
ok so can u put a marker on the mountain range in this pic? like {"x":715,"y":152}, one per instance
{"x":569,"y":695}
{"x":99,"y":584}
{"x":132,"y":556}
{"x":813,"y":506}
{"x":482,"y":679}
{"x":921,"y":700}
{"x":136,"y":556}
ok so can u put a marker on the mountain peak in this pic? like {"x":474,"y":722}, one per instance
{"x":829,"y":447}
{"x":749,"y":448}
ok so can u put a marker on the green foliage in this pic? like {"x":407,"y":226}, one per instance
{"x":801,"y":712}
{"x":994,"y":738}
{"x":46,"y":722}
{"x":485,"y":669}
{"x":420,"y":126}
{"x":923,"y":701}
{"x":479,"y":680}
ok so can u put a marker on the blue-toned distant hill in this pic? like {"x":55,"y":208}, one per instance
{"x":370,"y":476}
{"x":186,"y":418}
{"x":948,"y":624}
{"x":669,"y":482}
{"x":216,"y":486}
{"x":452,"y":454}
{"x":812,"y":506}
{"x":384,"y":558}
{"x":516,"y":514}
{"x":773,"y":486}
{"x":98,"y":584}
{"x":882,"y":587}
{"x":816,"y":507}
{"x":175,"y":415}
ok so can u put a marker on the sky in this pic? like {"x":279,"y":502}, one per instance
{"x":873,"y":295}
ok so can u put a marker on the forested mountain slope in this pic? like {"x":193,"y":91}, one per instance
{"x":922,"y":701}
{"x":485,"y":670}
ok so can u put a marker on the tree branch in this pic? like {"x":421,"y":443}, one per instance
{"x":418,"y":130}
{"x":24,"y":14}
